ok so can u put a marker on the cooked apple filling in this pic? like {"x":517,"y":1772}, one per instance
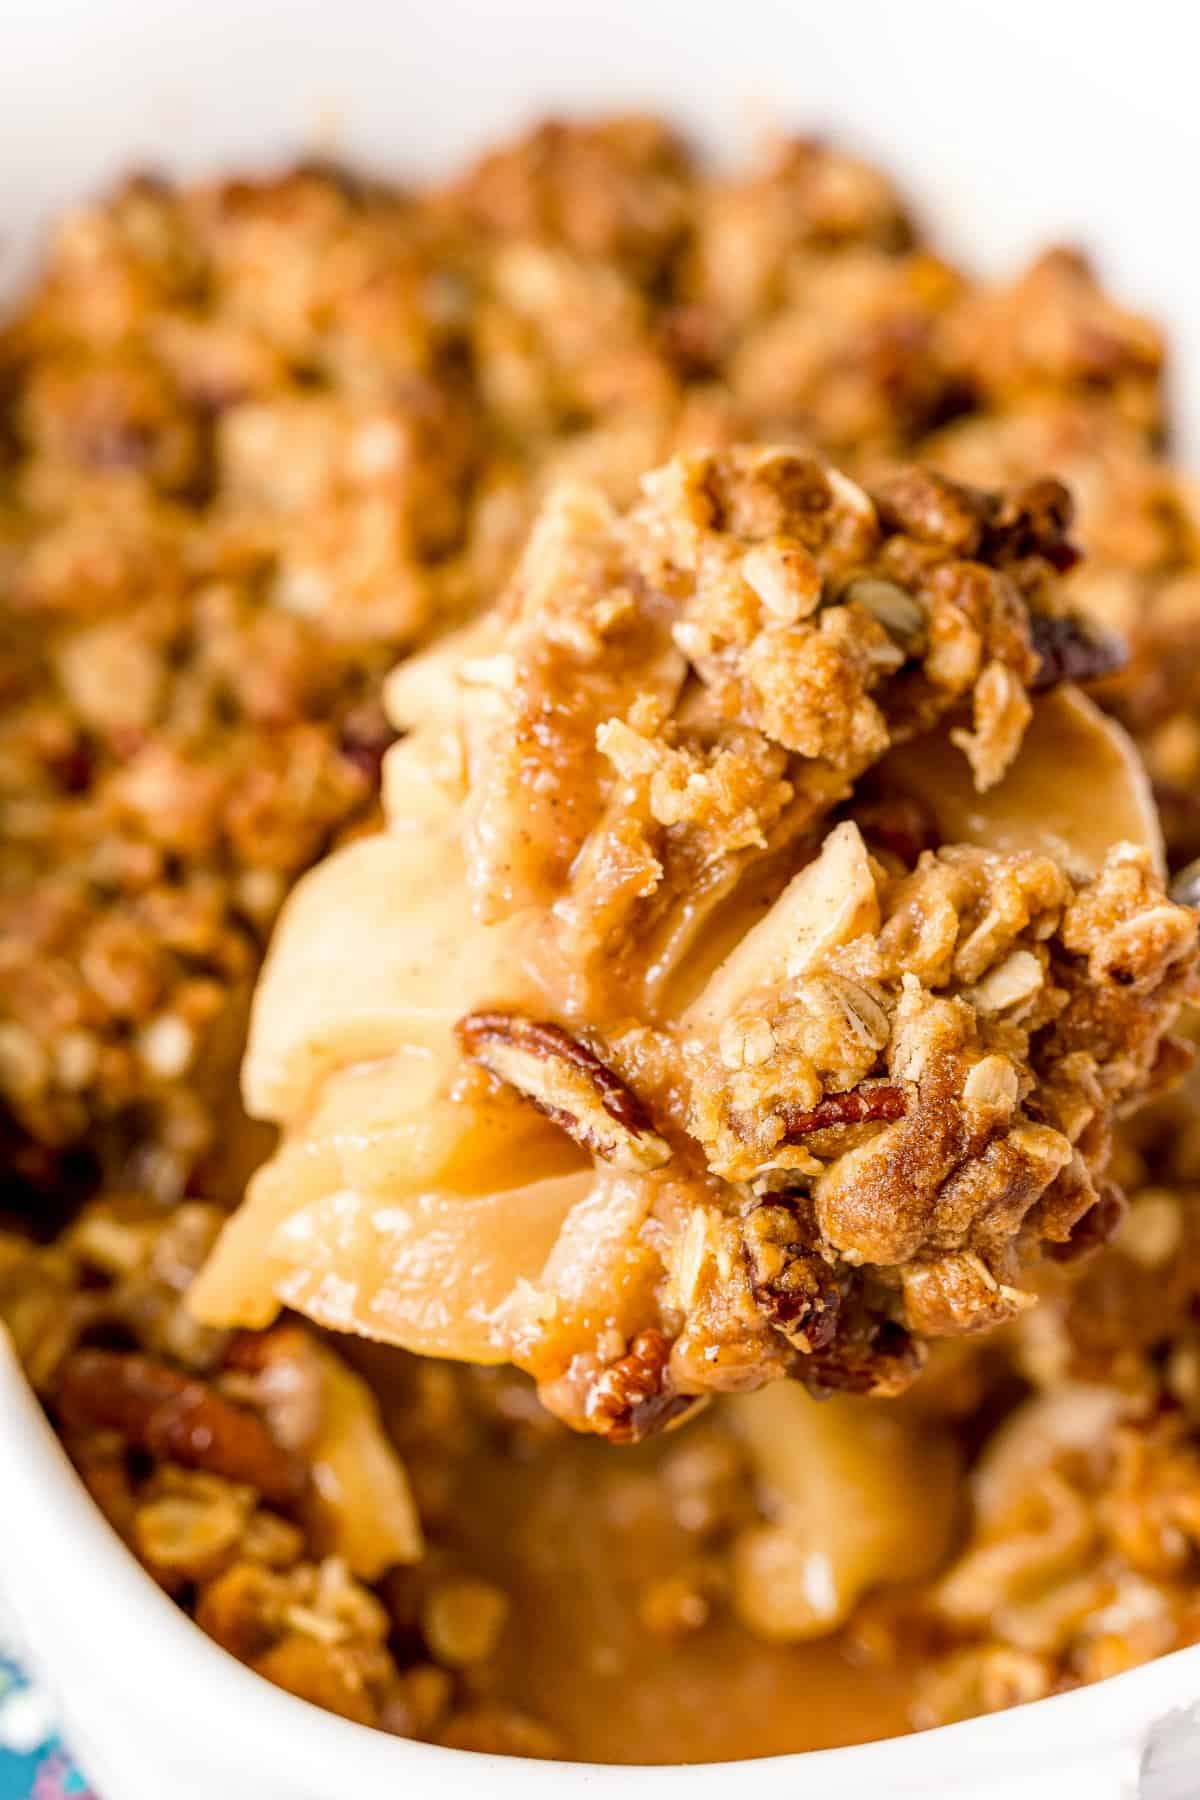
{"x":650,"y":1047}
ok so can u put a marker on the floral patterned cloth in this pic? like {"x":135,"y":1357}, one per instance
{"x":33,"y":1763}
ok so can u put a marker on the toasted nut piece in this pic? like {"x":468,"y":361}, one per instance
{"x":1033,"y":519}
{"x":932,"y":509}
{"x":857,"y":1106}
{"x":636,"y":1397}
{"x":278,"y":1371}
{"x":1073,"y":649}
{"x":791,"y":1282}
{"x":168,"y":1414}
{"x":883,"y":1361}
{"x":569,"y":1083}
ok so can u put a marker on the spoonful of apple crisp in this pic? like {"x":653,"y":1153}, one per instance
{"x":763,"y":937}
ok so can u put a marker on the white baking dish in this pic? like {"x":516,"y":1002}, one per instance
{"x":1014,"y":123}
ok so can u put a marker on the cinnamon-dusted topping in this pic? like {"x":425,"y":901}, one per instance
{"x":266,"y":1497}
{"x":634,"y":1396}
{"x":1139,"y":528}
{"x":616,"y":189}
{"x":920,"y":1079}
{"x":169,"y":1414}
{"x":926,"y":506}
{"x":925,"y":1061}
{"x":568,"y":1082}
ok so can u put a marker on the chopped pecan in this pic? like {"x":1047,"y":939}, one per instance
{"x":168,"y":1414}
{"x":278,"y":1371}
{"x":932,"y":508}
{"x":791,"y":1281}
{"x":568,"y":1082}
{"x":635,"y":1397}
{"x":1033,"y":519}
{"x":879,"y":1358}
{"x":857,"y":1106}
{"x":1073,"y":649}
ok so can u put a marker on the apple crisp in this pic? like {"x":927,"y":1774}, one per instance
{"x":734,"y":955}
{"x":832,"y":1103}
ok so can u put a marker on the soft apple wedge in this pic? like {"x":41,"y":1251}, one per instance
{"x":1077,"y":788}
{"x":376,"y":949}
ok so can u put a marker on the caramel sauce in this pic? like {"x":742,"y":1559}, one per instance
{"x":576,"y":1537}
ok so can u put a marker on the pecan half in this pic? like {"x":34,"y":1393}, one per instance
{"x":856,"y":1106}
{"x":634,"y":1397}
{"x":177,"y":1417}
{"x":792,"y":1284}
{"x":568,"y":1082}
{"x":1072,"y":649}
